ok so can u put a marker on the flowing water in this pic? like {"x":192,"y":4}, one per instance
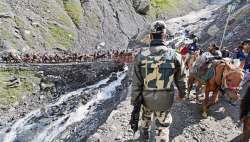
{"x":48,"y":123}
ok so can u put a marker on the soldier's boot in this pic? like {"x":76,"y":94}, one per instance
{"x":162,"y":134}
{"x":144,"y":135}
{"x":162,"y":123}
{"x":160,"y":139}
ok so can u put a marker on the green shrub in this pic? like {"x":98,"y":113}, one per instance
{"x":29,"y":84}
{"x":73,"y":9}
{"x":62,"y":36}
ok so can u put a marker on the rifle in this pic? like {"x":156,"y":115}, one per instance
{"x":135,"y":116}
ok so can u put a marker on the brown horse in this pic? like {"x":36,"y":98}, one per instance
{"x":227,"y":77}
{"x":189,"y":61}
{"x":245,"y":115}
{"x":192,"y":80}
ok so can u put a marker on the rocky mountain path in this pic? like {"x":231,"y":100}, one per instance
{"x":222,"y":125}
{"x":193,"y":21}
{"x":117,"y":127}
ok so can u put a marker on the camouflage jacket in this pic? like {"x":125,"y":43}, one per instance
{"x":156,"y":69}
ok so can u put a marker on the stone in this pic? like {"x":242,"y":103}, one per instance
{"x":35,"y":24}
{"x":16,"y":104}
{"x":203,"y":19}
{"x":5,"y":44}
{"x":141,"y":6}
{"x":41,"y":97}
{"x":7,"y":15}
{"x":100,"y":45}
{"x":8,"y":130}
{"x":117,"y":139}
{"x":27,"y":32}
{"x":14,"y":82}
{"x":17,"y":35}
{"x":213,"y":30}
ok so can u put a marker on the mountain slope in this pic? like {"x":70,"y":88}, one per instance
{"x":238,"y":27}
{"x":77,"y":25}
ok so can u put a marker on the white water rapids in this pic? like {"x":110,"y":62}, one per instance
{"x":51,"y":131}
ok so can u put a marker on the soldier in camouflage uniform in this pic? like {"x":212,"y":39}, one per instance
{"x":156,"y":69}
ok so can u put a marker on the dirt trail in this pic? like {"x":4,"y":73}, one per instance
{"x":116,"y":128}
{"x":222,"y":125}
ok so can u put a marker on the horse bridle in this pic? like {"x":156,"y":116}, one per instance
{"x":224,"y":84}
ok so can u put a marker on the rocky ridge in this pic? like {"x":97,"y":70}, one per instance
{"x":78,"y":25}
{"x":237,"y":29}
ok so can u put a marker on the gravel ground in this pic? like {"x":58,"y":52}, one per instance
{"x":188,"y":125}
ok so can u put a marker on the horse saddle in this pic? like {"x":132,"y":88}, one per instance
{"x":206,"y":71}
{"x":204,"y":68}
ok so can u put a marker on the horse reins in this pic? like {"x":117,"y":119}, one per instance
{"x":224,"y":84}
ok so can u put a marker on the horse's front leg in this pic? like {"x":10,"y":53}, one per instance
{"x":190,"y":86}
{"x":214,"y":99}
{"x":205,"y":103}
{"x":198,"y":90}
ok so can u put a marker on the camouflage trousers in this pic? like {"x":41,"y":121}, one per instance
{"x":163,"y":120}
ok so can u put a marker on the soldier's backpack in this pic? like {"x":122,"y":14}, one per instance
{"x":158,"y":69}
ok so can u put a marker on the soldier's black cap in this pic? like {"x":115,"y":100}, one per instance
{"x":246,"y":41}
{"x":158,"y":27}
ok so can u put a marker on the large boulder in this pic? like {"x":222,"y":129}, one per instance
{"x":141,"y":6}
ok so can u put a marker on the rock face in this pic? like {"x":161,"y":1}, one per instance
{"x":113,"y":22}
{"x":237,"y":29}
{"x":76,"y":25}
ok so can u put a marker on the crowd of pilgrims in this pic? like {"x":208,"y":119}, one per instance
{"x":241,"y":52}
{"x":115,"y":55}
{"x":184,"y":48}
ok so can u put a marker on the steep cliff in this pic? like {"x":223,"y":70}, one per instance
{"x":238,"y":25}
{"x":79,"y":25}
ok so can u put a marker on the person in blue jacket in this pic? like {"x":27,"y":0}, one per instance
{"x":243,"y":54}
{"x":193,"y":47}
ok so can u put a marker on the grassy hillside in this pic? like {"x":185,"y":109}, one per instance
{"x":10,"y":92}
{"x":172,"y":8}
